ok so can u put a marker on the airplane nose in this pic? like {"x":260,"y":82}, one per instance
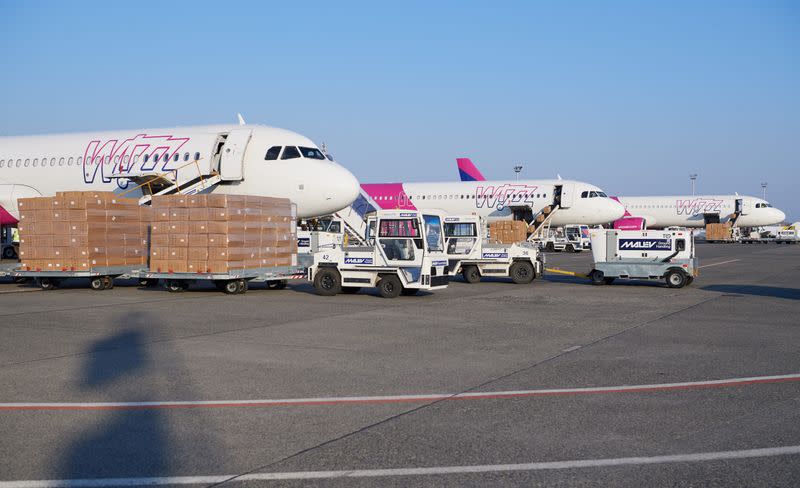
{"x":341,"y":187}
{"x":779,"y":216}
{"x":614,"y":210}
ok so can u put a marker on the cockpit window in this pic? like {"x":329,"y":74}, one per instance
{"x":272,"y":153}
{"x":312,"y":153}
{"x":290,"y":152}
{"x":595,"y":194}
{"x":602,"y":194}
{"x":584,"y":194}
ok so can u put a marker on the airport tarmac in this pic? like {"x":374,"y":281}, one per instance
{"x":558,"y":383}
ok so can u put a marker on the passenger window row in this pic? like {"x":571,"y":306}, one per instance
{"x":45,"y":162}
{"x":467,"y":197}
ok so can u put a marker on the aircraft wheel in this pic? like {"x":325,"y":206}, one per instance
{"x":521,"y":272}
{"x":328,"y":282}
{"x":390,"y":286}
{"x":471,"y":274}
{"x":675,"y":279}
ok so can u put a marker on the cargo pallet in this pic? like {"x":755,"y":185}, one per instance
{"x":233,"y":282}
{"x":100,"y":278}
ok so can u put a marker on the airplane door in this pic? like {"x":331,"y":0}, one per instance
{"x":567,"y":195}
{"x":231,"y":164}
{"x":744,"y":206}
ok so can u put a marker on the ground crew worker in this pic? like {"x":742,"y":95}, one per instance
{"x":15,"y":236}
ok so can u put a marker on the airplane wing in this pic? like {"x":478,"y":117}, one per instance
{"x":467,"y":171}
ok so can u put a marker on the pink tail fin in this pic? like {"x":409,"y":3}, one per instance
{"x":468,"y":171}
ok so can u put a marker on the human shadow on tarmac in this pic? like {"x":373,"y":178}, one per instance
{"x":757,"y":290}
{"x":118,"y":443}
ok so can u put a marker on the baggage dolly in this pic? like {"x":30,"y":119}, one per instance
{"x":232,"y":282}
{"x":100,"y":278}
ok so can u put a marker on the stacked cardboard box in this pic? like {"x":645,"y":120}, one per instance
{"x":508,"y":231}
{"x":76,"y":231}
{"x":221,"y":233}
{"x":719,"y":232}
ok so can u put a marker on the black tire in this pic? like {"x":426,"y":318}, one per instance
{"x":689,"y":280}
{"x":675,"y":278}
{"x":9,"y":253}
{"x":549,"y":247}
{"x":350,"y":290}
{"x":328,"y":282}
{"x":175,"y":286}
{"x":569,"y":248}
{"x":471,"y":274}
{"x":521,"y":272}
{"x":108,"y":282}
{"x":97,"y":283}
{"x":410,"y":292}
{"x":608,"y":281}
{"x":242,"y":287}
{"x":231,"y":287}
{"x":390,"y":286}
{"x":597,"y":277}
{"x":47,"y":284}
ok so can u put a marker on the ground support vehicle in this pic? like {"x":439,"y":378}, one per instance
{"x":231,"y":282}
{"x":320,"y":234}
{"x":570,"y":238}
{"x":100,"y":277}
{"x":787,"y":236}
{"x":8,"y":248}
{"x":405,"y":254}
{"x":643,"y":255}
{"x":473,"y":257}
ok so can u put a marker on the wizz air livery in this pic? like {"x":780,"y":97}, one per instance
{"x":234,"y":159}
{"x":575,"y":201}
{"x":676,"y":211}
{"x":696,"y":211}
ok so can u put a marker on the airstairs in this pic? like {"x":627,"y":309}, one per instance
{"x":539,"y":227}
{"x":188,"y":179}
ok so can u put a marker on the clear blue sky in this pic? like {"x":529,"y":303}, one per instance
{"x":629,"y":96}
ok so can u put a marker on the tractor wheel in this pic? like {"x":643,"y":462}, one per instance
{"x":521,"y":272}
{"x":471,"y":274}
{"x":328,"y":282}
{"x":390,"y":286}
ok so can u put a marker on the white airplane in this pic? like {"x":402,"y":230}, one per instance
{"x":675,"y":211}
{"x":234,"y":159}
{"x":696,"y":211}
{"x":496,"y":200}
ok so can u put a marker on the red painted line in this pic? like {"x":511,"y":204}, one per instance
{"x":378,"y":400}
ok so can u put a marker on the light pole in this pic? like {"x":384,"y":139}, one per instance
{"x":764,"y":190}
{"x":693,"y":177}
{"x":517,"y":170}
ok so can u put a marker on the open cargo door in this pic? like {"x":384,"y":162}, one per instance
{"x":231,"y":165}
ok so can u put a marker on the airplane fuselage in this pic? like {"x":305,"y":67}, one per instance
{"x":695,"y":211}
{"x":496,"y":200}
{"x":111,"y":161}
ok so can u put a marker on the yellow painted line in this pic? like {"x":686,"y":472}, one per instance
{"x":562,"y":272}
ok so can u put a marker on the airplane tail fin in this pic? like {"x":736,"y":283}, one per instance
{"x":468,"y":171}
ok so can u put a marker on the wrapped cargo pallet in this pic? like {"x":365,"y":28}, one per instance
{"x":77,"y":231}
{"x":222,"y":233}
{"x":508,"y":231}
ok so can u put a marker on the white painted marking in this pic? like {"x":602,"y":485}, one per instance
{"x":439,"y":470}
{"x":730,"y":382}
{"x":717,"y":264}
{"x":570,"y":349}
